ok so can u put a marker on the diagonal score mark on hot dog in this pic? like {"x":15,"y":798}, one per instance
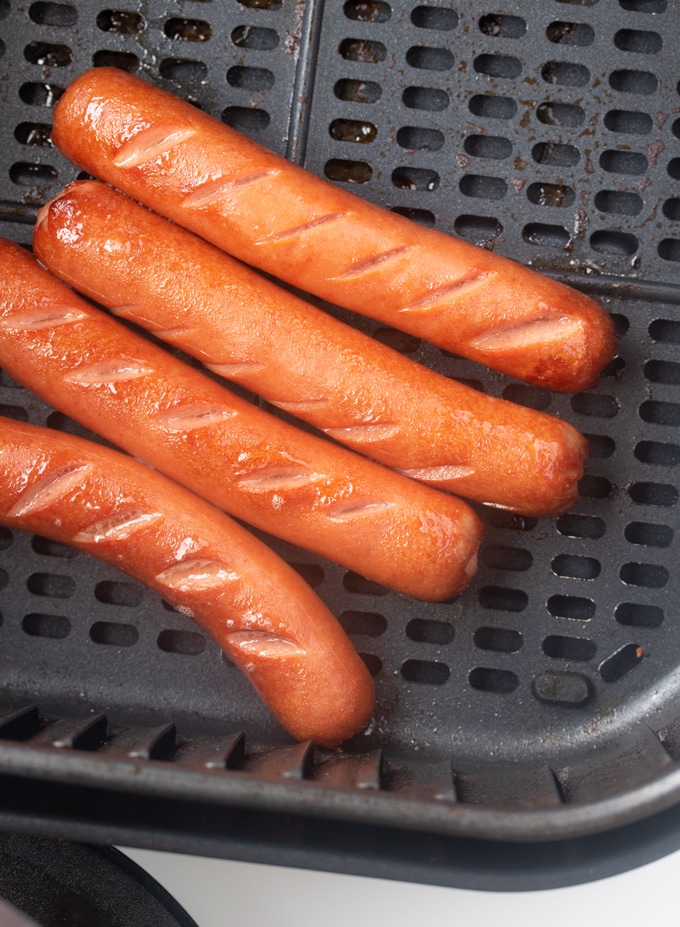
{"x":42,"y":317}
{"x":365,"y":434}
{"x":358,"y":270}
{"x":439,"y":474}
{"x":49,"y":489}
{"x":540,"y":330}
{"x":432,"y":300}
{"x":149,"y":144}
{"x":220,"y":189}
{"x":109,"y":371}
{"x":117,"y":527}
{"x":279,"y":478}
{"x":264,"y":644}
{"x":195,"y":415}
{"x":299,"y":230}
{"x":350,"y":509}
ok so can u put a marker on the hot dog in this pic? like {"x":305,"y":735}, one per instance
{"x":355,"y":389}
{"x":274,"y":476}
{"x":327,"y":241}
{"x":258,"y":609}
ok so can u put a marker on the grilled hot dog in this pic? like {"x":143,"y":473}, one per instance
{"x":355,"y":389}
{"x":274,"y":215}
{"x":258,"y":609}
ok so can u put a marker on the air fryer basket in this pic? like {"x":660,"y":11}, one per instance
{"x":544,"y":702}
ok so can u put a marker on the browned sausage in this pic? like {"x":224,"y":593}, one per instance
{"x":258,"y":609}
{"x":276,"y":216}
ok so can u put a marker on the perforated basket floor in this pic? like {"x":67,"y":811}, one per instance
{"x":544,"y":702}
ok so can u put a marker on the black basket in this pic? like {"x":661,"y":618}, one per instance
{"x":543,"y":703}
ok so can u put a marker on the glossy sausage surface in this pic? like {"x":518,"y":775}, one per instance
{"x":258,"y":609}
{"x":278,"y":217}
{"x":300,"y":487}
{"x":358,"y":391}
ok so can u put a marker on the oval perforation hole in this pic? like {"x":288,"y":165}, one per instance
{"x":34,"y":133}
{"x":256,"y":80}
{"x":259,"y":4}
{"x":662,"y":495}
{"x":646,"y":575}
{"x":546,"y":236}
{"x":429,"y":99}
{"x":637,"y":615}
{"x":597,"y":405}
{"x":624,"y":162}
{"x":657,"y":453}
{"x":648,"y":534}
{"x":666,"y":331}
{"x":18,"y":413}
{"x":367,"y":11}
{"x":6,"y":538}
{"x":621,"y":662}
{"x":559,"y":647}
{"x":344,"y":171}
{"x":638,"y":41}
{"x":501,"y":557}
{"x":246,"y":120}
{"x":573,"y":566}
{"x":51,"y":585}
{"x":555,"y":195}
{"x":588,"y":527}
{"x":397,"y":340}
{"x":643,"y":83}
{"x":501,"y":598}
{"x":53,"y":14}
{"x":368,"y":624}
{"x":48,"y":55}
{"x":575,"y":35}
{"x":114,"y":592}
{"x":565,"y":73}
{"x":357,"y":91}
{"x":483,"y":187}
{"x":573,"y":607}
{"x":674,"y":168}
{"x":618,"y":202}
{"x":440,"y":19}
{"x":4,"y":578}
{"x":609,"y":241}
{"x":35,"y":93}
{"x":355,"y":131}
{"x":503,"y":26}
{"x":506,"y":67}
{"x":417,"y":138}
{"x":489,"y":106}
{"x":372,"y":662}
{"x":566,"y":115}
{"x":187,"y":30}
{"x":428,"y":58}
{"x":46,"y":547}
{"x":25,"y":174}
{"x":660,"y":413}
{"x":481,"y":230}
{"x":123,"y":61}
{"x":188,"y":643}
{"x":628,"y":122}
{"x":54,"y":627}
{"x":489,"y":679}
{"x":425,"y":672}
{"x":494,"y":147}
{"x":644,"y":6}
{"x":183,"y":70}
{"x":501,"y":640}
{"x":555,"y":154}
{"x":671,"y":208}
{"x":363,"y":50}
{"x":415,"y":178}
{"x":114,"y":634}
{"x":257,"y":38}
{"x":669,"y":249}
{"x":427,"y":631}
{"x":592,"y":486}
{"x":122,"y":22}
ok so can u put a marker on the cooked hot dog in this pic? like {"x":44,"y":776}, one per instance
{"x":327,"y":241}
{"x":274,"y":476}
{"x":355,"y":389}
{"x":258,"y":609}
